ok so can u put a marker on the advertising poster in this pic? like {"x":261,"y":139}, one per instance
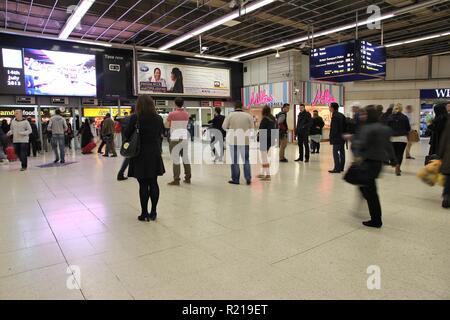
{"x":169,"y":79}
{"x":11,"y":72}
{"x":59,"y":73}
{"x":115,"y":76}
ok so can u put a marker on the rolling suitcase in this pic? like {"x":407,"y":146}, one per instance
{"x":11,"y":153}
{"x":88,"y":148}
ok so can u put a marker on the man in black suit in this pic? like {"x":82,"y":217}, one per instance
{"x":304,"y":123}
{"x":337,"y":129}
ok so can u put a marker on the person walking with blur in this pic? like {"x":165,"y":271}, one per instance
{"x":385,"y":116}
{"x":283,"y":131}
{"x":148,"y":165}
{"x":58,"y":126}
{"x":102,"y":141}
{"x":265,"y":136}
{"x":3,"y":145}
{"x":399,"y":124}
{"x":124,"y":123}
{"x":304,"y":123}
{"x":444,"y":155}
{"x":20,"y":130}
{"x":86,"y":133}
{"x":177,"y":121}
{"x":107,"y":133}
{"x":337,"y":130}
{"x":316,"y":131}
{"x":437,"y":127}
{"x":5,"y":126}
{"x":238,"y":125}
{"x":69,"y":135}
{"x":413,"y":124}
{"x":372,"y":147}
{"x":217,"y":135}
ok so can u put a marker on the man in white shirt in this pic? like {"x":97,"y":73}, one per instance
{"x":412,"y":122}
{"x":239,"y":125}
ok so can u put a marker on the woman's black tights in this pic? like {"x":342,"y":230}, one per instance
{"x":148,"y":189}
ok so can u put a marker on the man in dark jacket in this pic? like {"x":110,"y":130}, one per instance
{"x":34,"y":138}
{"x":337,"y":129}
{"x":217,"y":134}
{"x":304,"y":123}
{"x":283,"y":130}
{"x":124,"y":123}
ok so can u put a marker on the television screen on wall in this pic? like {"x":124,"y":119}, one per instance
{"x":59,"y":73}
{"x":158,"y":78}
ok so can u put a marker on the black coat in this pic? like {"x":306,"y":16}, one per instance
{"x":337,"y":128}
{"x":304,"y":122}
{"x":317,"y":126}
{"x":399,"y":123}
{"x":217,"y":123}
{"x":265,"y":133}
{"x":149,"y":163}
{"x":437,"y":128}
{"x":444,"y":150}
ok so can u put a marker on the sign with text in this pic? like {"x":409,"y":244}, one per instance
{"x":158,"y":78}
{"x":435,"y":94}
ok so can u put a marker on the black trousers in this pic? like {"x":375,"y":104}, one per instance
{"x":339,"y":156}
{"x":21,"y":150}
{"x":33,"y":147}
{"x":315,"y":146}
{"x":303,"y":146}
{"x":125,"y":164}
{"x":102,"y":144}
{"x":447,"y":185}
{"x":148,"y":189}
{"x":369,"y":191}
{"x":399,"y":149}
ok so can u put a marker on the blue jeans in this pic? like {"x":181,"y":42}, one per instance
{"x":58,"y":142}
{"x":237,"y":153}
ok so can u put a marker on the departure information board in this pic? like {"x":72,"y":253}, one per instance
{"x":348,"y":61}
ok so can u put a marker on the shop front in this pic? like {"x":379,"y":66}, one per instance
{"x":428,"y":98}
{"x":318,"y":96}
{"x":274,"y":95}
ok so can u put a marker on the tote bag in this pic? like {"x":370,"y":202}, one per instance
{"x":131,"y":147}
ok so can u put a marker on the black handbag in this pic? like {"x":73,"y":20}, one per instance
{"x":131,"y":147}
{"x":357,"y":174}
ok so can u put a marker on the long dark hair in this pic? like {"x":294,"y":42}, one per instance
{"x":145,"y":106}
{"x":178,"y":86}
{"x":267,"y":112}
{"x":373,"y":114}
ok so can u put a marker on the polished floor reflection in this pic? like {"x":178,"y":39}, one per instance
{"x":296,"y":237}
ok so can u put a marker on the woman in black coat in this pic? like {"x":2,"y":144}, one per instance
{"x":399,"y":123}
{"x":444,"y":155}
{"x":437,"y":127}
{"x":86,"y":133}
{"x":148,"y":164}
{"x":268,"y":123}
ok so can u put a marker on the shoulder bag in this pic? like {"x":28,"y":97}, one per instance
{"x":131,"y":147}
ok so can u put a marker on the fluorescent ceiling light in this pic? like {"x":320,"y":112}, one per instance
{"x":156,"y":50}
{"x":214,"y":57}
{"x":434,"y":36}
{"x":346,"y":27}
{"x":75,"y":18}
{"x":220,"y":21}
{"x":95,"y":43}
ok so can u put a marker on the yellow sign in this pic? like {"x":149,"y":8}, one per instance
{"x":101,"y":112}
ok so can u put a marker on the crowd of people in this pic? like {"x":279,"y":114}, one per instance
{"x":376,"y":139}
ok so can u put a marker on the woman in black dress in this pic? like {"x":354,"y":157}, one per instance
{"x":86,"y":133}
{"x":268,"y":123}
{"x":148,"y":165}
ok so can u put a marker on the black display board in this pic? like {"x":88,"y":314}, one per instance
{"x":348,"y":61}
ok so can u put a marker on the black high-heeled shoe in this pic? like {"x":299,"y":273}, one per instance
{"x":152,"y":216}
{"x":144,"y":217}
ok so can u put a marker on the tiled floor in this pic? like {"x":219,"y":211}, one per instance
{"x":297,"y":237}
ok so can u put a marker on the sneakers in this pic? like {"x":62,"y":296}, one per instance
{"x":284,"y":160}
{"x":174,"y":183}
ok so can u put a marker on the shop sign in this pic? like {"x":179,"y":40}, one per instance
{"x":101,"y":112}
{"x":259,"y":98}
{"x":435,"y":94}
{"x":9,"y":112}
{"x":323,"y":98}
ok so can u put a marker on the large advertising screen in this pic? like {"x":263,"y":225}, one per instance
{"x":157,"y":78}
{"x":59,"y":73}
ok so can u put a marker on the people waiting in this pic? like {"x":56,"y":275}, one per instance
{"x":337,"y":130}
{"x":265,"y":136}
{"x":316,"y":131}
{"x":399,"y":124}
{"x":58,"y":126}
{"x":283,"y":130}
{"x":304,"y":123}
